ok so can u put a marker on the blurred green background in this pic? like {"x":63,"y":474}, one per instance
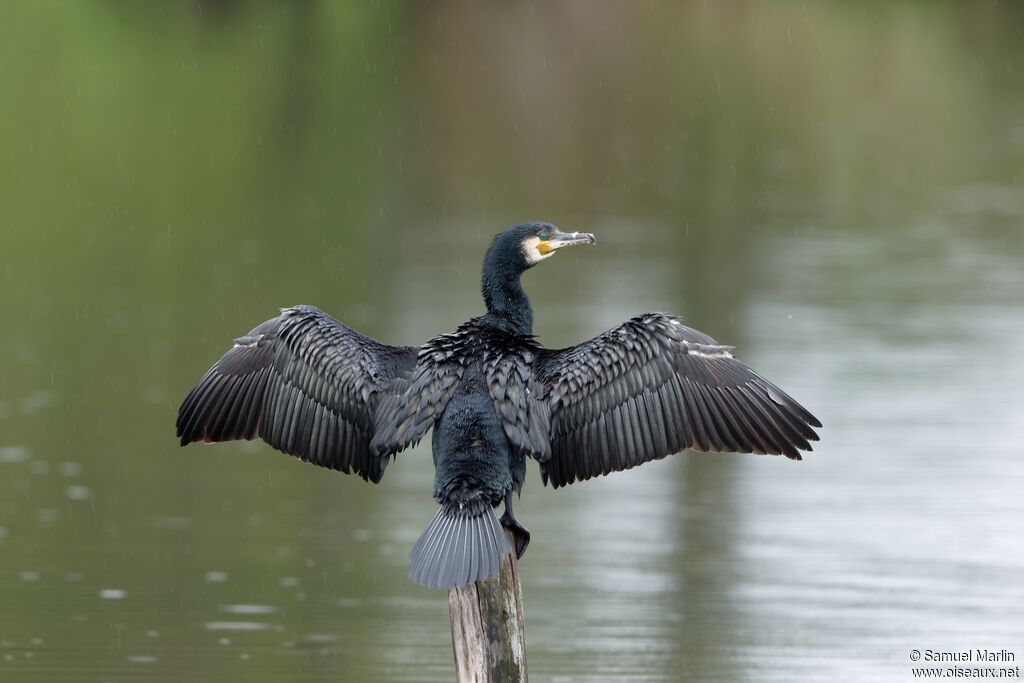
{"x":836,"y":188}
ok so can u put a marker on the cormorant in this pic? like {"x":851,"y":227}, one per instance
{"x":312,"y":387}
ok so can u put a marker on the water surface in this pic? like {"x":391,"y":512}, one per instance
{"x":835,"y":191}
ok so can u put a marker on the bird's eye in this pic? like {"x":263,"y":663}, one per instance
{"x":545,"y":234}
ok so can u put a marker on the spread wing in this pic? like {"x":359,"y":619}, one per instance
{"x":652,"y":387}
{"x":304,"y":383}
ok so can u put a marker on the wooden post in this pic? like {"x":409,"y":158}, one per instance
{"x":487,"y":627}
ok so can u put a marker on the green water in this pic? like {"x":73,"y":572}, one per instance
{"x":837,"y":190}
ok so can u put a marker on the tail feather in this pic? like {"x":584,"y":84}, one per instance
{"x":458,"y":547}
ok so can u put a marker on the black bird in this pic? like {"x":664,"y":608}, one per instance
{"x":310,"y":386}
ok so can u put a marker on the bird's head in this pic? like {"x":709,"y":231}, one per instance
{"x":527,"y":244}
{"x":513,"y":252}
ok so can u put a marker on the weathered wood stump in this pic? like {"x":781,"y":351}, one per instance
{"x":487,"y":628}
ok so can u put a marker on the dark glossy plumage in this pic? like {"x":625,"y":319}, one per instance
{"x":310,"y":386}
{"x":304,"y":383}
{"x":652,"y":387}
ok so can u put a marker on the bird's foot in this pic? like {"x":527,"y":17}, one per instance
{"x":520,"y":533}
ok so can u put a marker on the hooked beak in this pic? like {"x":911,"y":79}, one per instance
{"x":566,"y":239}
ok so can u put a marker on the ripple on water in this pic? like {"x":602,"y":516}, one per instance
{"x":37,"y":400}
{"x":172,"y":522}
{"x":236,"y":626}
{"x":78,"y":493}
{"x":70,"y":469}
{"x":13,"y":454}
{"x":248,"y":609}
{"x":113,"y":594}
{"x":216,"y":577}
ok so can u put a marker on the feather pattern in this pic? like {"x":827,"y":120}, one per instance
{"x":459,"y":546}
{"x":652,"y":387}
{"x":518,"y":399}
{"x":507,"y":358}
{"x":304,"y":383}
{"x":404,"y":419}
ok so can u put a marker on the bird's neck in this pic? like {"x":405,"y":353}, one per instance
{"x":505,"y":298}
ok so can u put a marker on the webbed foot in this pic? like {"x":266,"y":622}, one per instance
{"x":520,"y":533}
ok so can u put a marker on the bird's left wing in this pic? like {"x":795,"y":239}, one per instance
{"x":304,"y":383}
{"x":652,"y":387}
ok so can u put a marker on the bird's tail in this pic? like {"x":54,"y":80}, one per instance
{"x":458,"y":547}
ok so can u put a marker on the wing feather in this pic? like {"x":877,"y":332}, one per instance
{"x":652,"y":387}
{"x":304,"y":383}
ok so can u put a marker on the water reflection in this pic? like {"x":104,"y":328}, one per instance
{"x":836,"y":192}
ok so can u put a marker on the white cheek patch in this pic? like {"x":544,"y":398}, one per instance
{"x":531,"y":251}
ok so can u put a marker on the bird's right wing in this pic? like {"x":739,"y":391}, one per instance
{"x":304,"y":383}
